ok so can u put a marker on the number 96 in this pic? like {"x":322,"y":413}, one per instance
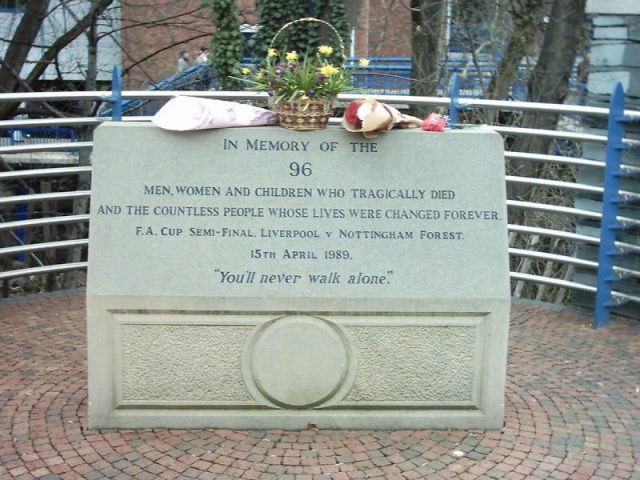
{"x":296,"y":169}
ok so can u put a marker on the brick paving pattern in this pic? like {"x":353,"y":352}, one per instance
{"x":572,"y":401}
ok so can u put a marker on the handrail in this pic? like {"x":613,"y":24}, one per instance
{"x":51,"y":122}
{"x":47,"y":147}
{"x":554,"y":159}
{"x":552,"y":281}
{"x":577,"y":212}
{"x":43,"y":197}
{"x":34,"y":247}
{"x":40,"y":222}
{"x":43,"y":270}
{"x":44,"y":172}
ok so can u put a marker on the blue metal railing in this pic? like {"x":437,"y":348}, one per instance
{"x":611,"y":200}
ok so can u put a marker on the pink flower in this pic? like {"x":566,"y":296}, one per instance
{"x":433,"y":123}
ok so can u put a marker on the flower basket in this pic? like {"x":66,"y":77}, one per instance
{"x":305,"y":113}
{"x":310,"y":114}
{"x":302,"y":86}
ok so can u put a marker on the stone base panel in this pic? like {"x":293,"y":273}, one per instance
{"x":195,"y":369}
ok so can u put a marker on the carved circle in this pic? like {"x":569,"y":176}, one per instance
{"x":298,"y":361}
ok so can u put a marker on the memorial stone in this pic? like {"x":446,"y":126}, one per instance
{"x":266,"y":278}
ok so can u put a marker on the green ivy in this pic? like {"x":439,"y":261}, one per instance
{"x":226,"y":43}
{"x":303,"y":37}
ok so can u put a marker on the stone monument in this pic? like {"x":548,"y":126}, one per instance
{"x":266,"y":278}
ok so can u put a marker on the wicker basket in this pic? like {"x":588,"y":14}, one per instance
{"x":306,"y":114}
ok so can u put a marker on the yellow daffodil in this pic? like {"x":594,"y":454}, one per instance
{"x":245,"y":71}
{"x":329,"y":70}
{"x":363,"y":62}
{"x":259,"y":76}
{"x":272,"y":52}
{"x":325,"y":49}
{"x":291,"y":56}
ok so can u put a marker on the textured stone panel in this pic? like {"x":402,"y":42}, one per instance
{"x":196,"y":363}
{"x":414,"y":363}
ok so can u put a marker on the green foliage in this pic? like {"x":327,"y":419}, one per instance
{"x":333,"y":11}
{"x":273,"y":14}
{"x":305,"y":36}
{"x":226,"y":43}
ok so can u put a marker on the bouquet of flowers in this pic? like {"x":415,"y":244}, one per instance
{"x":293,"y":76}
{"x":303,"y":86}
{"x":372,"y":118}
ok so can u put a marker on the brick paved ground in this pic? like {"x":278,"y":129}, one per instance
{"x":573,"y":412}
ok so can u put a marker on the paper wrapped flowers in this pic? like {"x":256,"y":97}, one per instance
{"x":372,"y":118}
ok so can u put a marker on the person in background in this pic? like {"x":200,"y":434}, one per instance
{"x":203,"y":55}
{"x":183,"y":61}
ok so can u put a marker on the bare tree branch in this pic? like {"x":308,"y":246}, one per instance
{"x":66,"y":39}
{"x":18,"y":50}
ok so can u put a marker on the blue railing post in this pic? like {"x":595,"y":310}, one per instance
{"x":608,"y":224}
{"x":455,"y":94}
{"x":116,"y":95}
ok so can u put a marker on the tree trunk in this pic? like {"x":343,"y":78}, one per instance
{"x":549,"y":84}
{"x":427,"y":20}
{"x":33,"y":22}
{"x":81,"y":205}
{"x":527,"y":17}
{"x":16,"y":55}
{"x":550,"y":80}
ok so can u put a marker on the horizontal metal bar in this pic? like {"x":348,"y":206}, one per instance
{"x":623,"y":272}
{"x":554,"y":184}
{"x":47,"y":147}
{"x":248,"y":95}
{"x":577,"y":212}
{"x":128,"y":118}
{"x":554,"y":159}
{"x":53,"y":96}
{"x":574,"y":237}
{"x":629,"y":171}
{"x":546,"y":232}
{"x":626,"y":296}
{"x":535,"y":106}
{"x":534,"y":132}
{"x":50,"y":122}
{"x":80,"y":242}
{"x":552,"y":281}
{"x":41,"y":222}
{"x":213,"y":94}
{"x":26,"y":272}
{"x":542,"y":182}
{"x":45,"y":197}
{"x":519,"y":252}
{"x":44,"y":172}
{"x":399,"y":99}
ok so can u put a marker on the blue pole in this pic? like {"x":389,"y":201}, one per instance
{"x":453,"y":105}
{"x":116,"y":95}
{"x":608,"y":224}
